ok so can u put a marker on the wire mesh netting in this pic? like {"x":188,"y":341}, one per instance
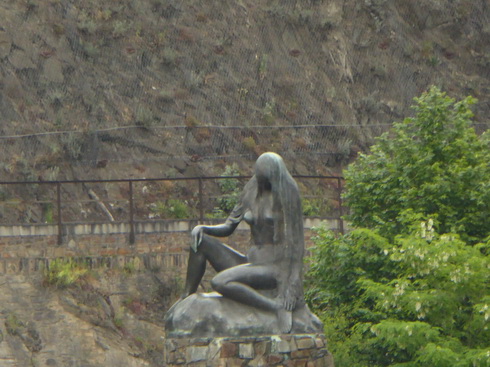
{"x":98,"y":82}
{"x":164,"y":88}
{"x":200,"y":143}
{"x":332,"y":144}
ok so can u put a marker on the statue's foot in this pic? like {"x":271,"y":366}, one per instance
{"x":284,"y":320}
{"x":184,"y":295}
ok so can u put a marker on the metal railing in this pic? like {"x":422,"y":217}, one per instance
{"x":53,"y":194}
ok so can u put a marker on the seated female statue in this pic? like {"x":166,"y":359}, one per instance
{"x":270,"y":204}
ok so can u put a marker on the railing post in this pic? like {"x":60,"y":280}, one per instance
{"x":60,"y":222}
{"x":341,"y":212}
{"x":132,"y":236}
{"x":201,"y":202}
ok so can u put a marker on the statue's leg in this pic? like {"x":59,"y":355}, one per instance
{"x":240,"y":283}
{"x":219,"y":255}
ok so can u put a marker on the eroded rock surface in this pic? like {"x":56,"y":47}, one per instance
{"x":107,"y":323}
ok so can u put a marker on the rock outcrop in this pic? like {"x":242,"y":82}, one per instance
{"x":106,"y":324}
{"x":211,"y":315}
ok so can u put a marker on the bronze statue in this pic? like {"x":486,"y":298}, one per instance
{"x":271,"y":205}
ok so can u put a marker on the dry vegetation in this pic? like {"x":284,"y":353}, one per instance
{"x":175,"y":69}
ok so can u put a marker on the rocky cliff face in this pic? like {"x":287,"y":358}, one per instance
{"x":91,"y":65}
{"x":114,"y":319}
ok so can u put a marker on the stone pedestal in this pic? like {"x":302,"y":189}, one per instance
{"x":209,"y":330}
{"x":305,"y":350}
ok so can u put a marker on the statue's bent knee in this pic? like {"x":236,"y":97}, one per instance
{"x":218,"y":283}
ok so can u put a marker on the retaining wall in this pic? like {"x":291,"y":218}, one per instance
{"x":28,"y":248}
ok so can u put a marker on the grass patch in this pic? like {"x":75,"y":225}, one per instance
{"x":171,"y":209}
{"x":13,"y":324}
{"x":63,"y":273}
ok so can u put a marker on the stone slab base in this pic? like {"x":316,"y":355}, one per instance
{"x":298,"y":350}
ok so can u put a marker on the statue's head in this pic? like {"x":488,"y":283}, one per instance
{"x":269,"y":170}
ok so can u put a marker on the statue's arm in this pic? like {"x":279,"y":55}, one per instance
{"x":220,"y":230}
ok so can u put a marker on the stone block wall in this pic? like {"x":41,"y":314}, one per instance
{"x":25,"y":249}
{"x":301,"y":350}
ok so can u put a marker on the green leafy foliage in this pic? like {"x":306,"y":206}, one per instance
{"x":410,"y":284}
{"x":433,"y":165}
{"x":171,"y":209}
{"x":410,"y":302}
{"x":230,"y":190}
{"x":315,"y":207}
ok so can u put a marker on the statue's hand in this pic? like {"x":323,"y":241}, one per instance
{"x":289,"y":300}
{"x":197,"y":234}
{"x":290,"y":296}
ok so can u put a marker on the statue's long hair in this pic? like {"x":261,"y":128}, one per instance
{"x":286,"y":200}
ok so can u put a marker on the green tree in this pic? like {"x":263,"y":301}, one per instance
{"x":420,"y":300}
{"x":409,"y":286}
{"x":433,"y":165}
